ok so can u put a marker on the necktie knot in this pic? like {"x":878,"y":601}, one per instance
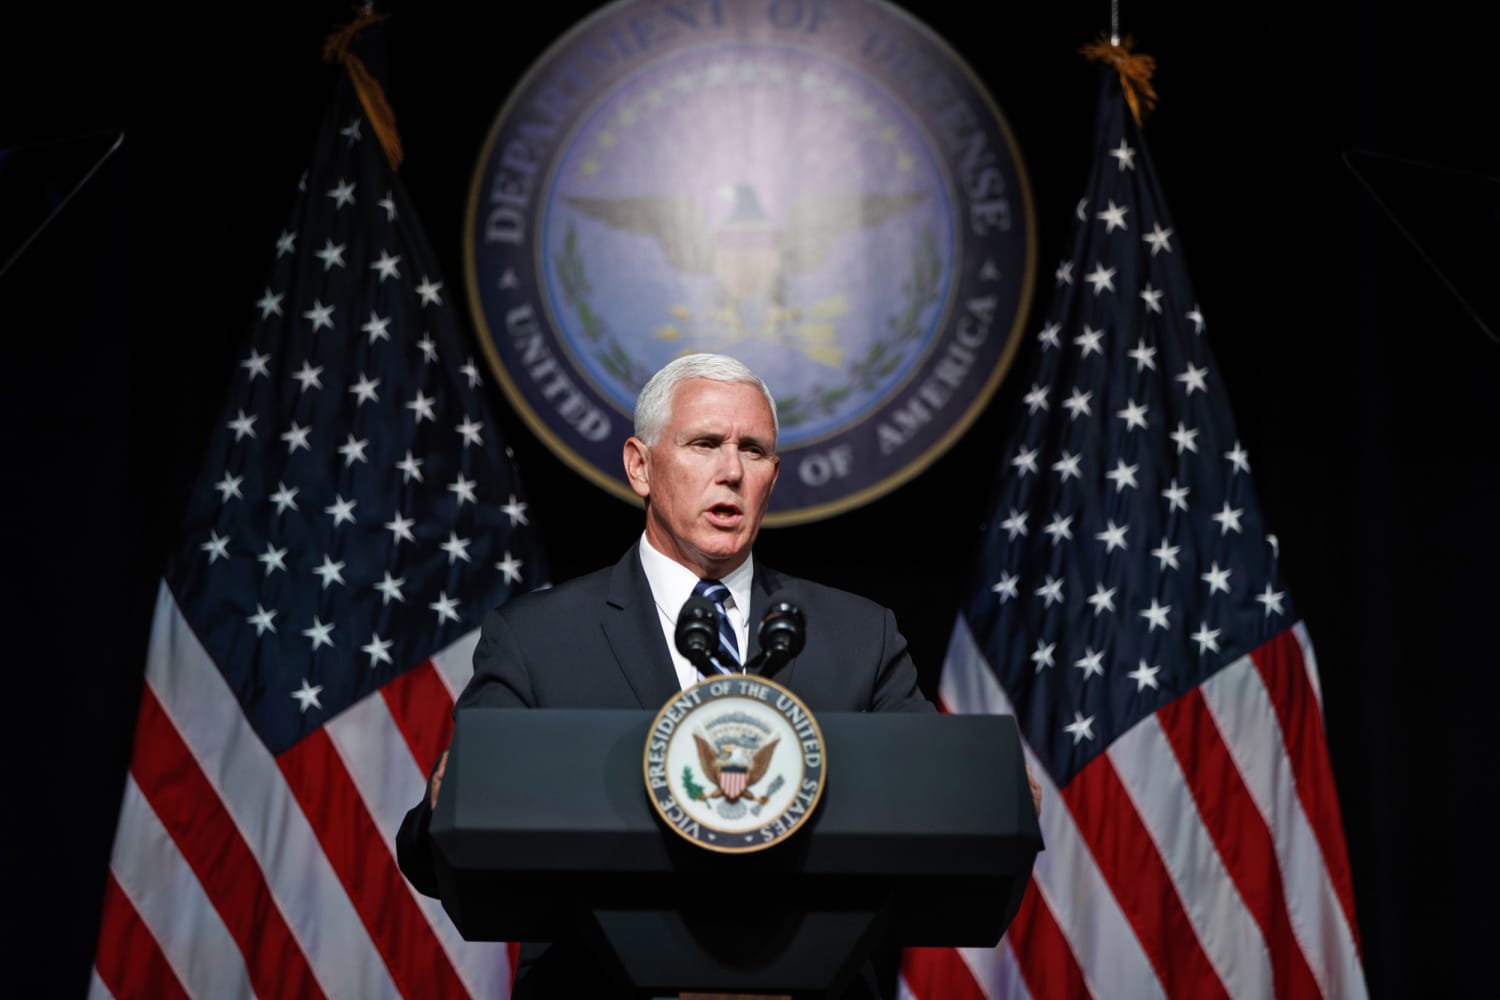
{"x":727,"y":657}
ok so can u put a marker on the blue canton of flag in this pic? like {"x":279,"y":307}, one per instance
{"x":357,"y":515}
{"x":1127,"y":608}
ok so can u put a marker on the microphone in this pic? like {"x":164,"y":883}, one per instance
{"x":783,"y":633}
{"x":697,"y":633}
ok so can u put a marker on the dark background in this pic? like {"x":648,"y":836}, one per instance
{"x":1364,"y":391}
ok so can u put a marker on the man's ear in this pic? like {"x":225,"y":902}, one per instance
{"x":638,"y":466}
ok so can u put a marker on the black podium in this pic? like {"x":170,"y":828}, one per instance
{"x":925,"y":836}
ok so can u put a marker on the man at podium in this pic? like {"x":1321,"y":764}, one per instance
{"x":703,"y":459}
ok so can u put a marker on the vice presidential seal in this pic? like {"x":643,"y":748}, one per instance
{"x":823,"y":190}
{"x":735,"y":763}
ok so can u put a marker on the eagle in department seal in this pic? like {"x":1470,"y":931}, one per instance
{"x":734,"y":768}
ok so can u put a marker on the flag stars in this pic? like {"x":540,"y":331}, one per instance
{"x":387,"y":266}
{"x":353,"y":450}
{"x":1067,"y":466}
{"x":1228,"y":519}
{"x":320,"y":315}
{"x":1144,"y":677}
{"x":285,"y":243}
{"x":378,"y":327}
{"x":320,"y":634}
{"x":1176,"y":496}
{"x":463,"y":489}
{"x":1091,"y":663}
{"x":1193,"y":380}
{"x":510,"y":567}
{"x":1159,"y":239}
{"x":430,"y":291}
{"x":516,"y":511}
{"x":1113,"y":217}
{"x":217,"y":547}
{"x":1050,"y":592}
{"x":1166,"y":554}
{"x":256,"y":364}
{"x":1144,"y":357}
{"x":342,"y":195}
{"x":422,"y":406}
{"x":1206,"y":638}
{"x":1102,"y":600}
{"x":273,"y":559}
{"x":296,"y":437}
{"x":390,"y":588}
{"x":1113,"y":536}
{"x":400,"y":529}
{"x":341,"y":509}
{"x":1036,"y":399}
{"x":1064,"y":273}
{"x":1060,"y":528}
{"x":1152,"y":298}
{"x":1081,"y":728}
{"x":1016,"y":523}
{"x":284,"y":497}
{"x":263,"y":620}
{"x":1156,"y":616}
{"x":1042,"y":655}
{"x":242,"y":426}
{"x":378,"y":649}
{"x":1124,"y":155}
{"x":1122,"y":475}
{"x":1271,"y":601}
{"x":229,"y":486}
{"x":1050,"y":336}
{"x":428,"y":347}
{"x":389,"y":204}
{"x":1186,"y":438}
{"x":1101,"y":277}
{"x":332,"y":255}
{"x":364,"y":390}
{"x":1077,"y":404}
{"x":330,"y":572}
{"x":1195,"y":316}
{"x":470,"y":372}
{"x":457,"y":548}
{"x":269,"y":304}
{"x":307,"y":696}
{"x":1239,"y":458}
{"x":351,"y":131}
{"x":307,"y":376}
{"x":1134,"y":415}
{"x":1006,"y":587}
{"x":411,"y":468}
{"x":469,"y":431}
{"x":446,"y":608}
{"x":1217,"y":579}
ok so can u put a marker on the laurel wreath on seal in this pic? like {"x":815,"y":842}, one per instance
{"x":920,"y":289}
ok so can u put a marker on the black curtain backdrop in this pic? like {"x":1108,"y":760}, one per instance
{"x":1364,"y":392}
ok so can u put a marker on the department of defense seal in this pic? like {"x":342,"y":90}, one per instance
{"x":822,"y":190}
{"x":735,"y":763}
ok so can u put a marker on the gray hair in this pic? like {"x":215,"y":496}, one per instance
{"x":653,"y":407}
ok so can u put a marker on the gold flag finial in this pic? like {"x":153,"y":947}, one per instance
{"x":337,"y":47}
{"x":1135,"y":72}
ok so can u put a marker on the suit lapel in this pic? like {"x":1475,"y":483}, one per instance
{"x":633,"y":628}
{"x":765,"y":584}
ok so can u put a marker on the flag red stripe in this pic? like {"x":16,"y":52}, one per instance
{"x":205,"y":834}
{"x":1128,"y":859}
{"x":938,"y":974}
{"x":367,"y":868}
{"x":1284,"y":673}
{"x":1240,"y":834}
{"x":423,"y":709}
{"x":1042,"y":951}
{"x":130,"y":962}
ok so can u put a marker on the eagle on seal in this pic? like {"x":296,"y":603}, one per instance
{"x":733,"y":769}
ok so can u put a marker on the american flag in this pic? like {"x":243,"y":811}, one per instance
{"x":1128,"y":609}
{"x":356,"y":516}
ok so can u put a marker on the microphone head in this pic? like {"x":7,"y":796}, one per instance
{"x":697,"y":632}
{"x":783,"y":630}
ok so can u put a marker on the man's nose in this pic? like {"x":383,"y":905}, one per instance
{"x":731,"y":465}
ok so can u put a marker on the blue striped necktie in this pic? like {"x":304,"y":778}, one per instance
{"x":727,"y":657}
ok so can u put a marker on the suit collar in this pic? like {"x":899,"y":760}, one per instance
{"x":635,"y":636}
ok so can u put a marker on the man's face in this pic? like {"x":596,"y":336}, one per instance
{"x":708,"y":477}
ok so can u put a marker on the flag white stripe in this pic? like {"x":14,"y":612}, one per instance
{"x":1305,"y":641}
{"x":1157,"y":786}
{"x":996,"y":972}
{"x":242,"y":770}
{"x":379,"y":761}
{"x":171,"y":902}
{"x":97,"y":989}
{"x":455,"y":662}
{"x":1104,"y":944}
{"x":1240,"y":705}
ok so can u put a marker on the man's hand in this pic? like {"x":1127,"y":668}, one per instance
{"x":1036,"y":789}
{"x":437,"y":778}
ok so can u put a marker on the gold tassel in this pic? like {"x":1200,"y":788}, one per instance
{"x":1135,"y":72}
{"x":382,"y":118}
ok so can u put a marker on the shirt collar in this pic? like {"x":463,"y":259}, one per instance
{"x":672,"y":583}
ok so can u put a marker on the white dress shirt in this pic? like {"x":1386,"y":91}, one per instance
{"x":672,"y":584}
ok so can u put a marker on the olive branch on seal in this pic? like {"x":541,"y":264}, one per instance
{"x":694,"y":790}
